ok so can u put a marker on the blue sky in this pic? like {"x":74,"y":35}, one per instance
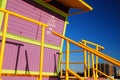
{"x":102,"y":26}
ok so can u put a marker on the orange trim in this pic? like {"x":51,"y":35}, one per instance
{"x":76,"y":4}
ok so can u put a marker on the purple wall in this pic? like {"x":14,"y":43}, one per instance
{"x":31,"y":30}
{"x":26,"y":78}
{"x":21,"y":56}
{"x":18,"y":54}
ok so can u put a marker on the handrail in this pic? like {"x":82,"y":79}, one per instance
{"x":43,"y":25}
{"x":72,"y":63}
{"x":99,"y":46}
{"x":76,"y":75}
{"x":103,"y":73}
{"x":73,"y":51}
{"x":23,"y":17}
{"x":97,"y":53}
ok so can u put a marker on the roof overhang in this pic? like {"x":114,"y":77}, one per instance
{"x":80,"y":5}
{"x":76,"y":4}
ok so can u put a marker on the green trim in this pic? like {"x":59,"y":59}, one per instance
{"x":31,"y":72}
{"x":51,"y":8}
{"x":65,"y":26}
{"x":2,"y":5}
{"x":60,"y":55}
{"x":29,"y":40}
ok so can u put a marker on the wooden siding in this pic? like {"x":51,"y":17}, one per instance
{"x":18,"y":78}
{"x":28,"y":29}
{"x":27,"y":78}
{"x":23,"y":56}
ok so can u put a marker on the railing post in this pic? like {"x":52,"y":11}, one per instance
{"x":61,"y":56}
{"x":3,"y":43}
{"x":41,"y":53}
{"x":93,"y":67}
{"x":97,"y":63}
{"x":61,"y":69}
{"x":67,"y":59}
{"x":85,"y":60}
{"x":88,"y":64}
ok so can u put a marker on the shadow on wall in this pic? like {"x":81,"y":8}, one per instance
{"x":55,"y":64}
{"x":19,"y":45}
{"x":55,"y":69}
{"x":54,"y":78}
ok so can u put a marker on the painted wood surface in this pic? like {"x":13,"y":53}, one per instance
{"x":23,"y":56}
{"x":31,"y":30}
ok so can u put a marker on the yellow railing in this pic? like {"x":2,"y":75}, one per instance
{"x":61,"y":63}
{"x":7,"y":13}
{"x":98,"y":47}
{"x":82,"y":44}
{"x":92,"y":51}
{"x":86,"y":64}
{"x":76,"y":75}
{"x":102,"y":74}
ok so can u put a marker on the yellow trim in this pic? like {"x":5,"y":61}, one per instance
{"x":88,"y":6}
{"x":29,"y":40}
{"x":31,"y":72}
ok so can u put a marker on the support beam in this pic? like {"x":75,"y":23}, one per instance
{"x":88,"y":64}
{"x":93,"y":67}
{"x":73,"y":62}
{"x":41,"y":53}
{"x":67,"y":59}
{"x":97,"y":48}
{"x":74,"y":51}
{"x":85,"y":52}
{"x":2,"y":50}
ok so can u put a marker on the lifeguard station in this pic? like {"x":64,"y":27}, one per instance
{"x":32,"y":33}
